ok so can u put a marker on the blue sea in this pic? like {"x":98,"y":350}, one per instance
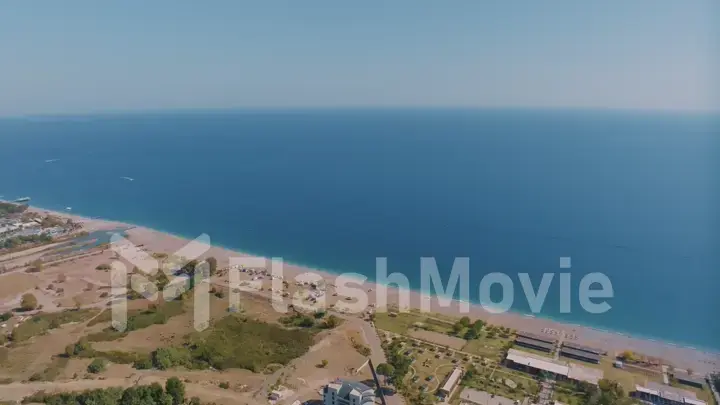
{"x":632,"y":195}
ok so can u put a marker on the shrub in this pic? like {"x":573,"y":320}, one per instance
{"x":96,"y":366}
{"x":29,"y":302}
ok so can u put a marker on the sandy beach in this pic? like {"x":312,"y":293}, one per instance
{"x":681,"y":357}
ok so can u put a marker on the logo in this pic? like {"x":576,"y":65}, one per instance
{"x":172,"y":272}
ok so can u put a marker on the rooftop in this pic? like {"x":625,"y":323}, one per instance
{"x":452,"y":379}
{"x":579,"y":353}
{"x":689,"y":378}
{"x":570,"y":370}
{"x":581,"y":373}
{"x":538,"y":362}
{"x":533,"y":336}
{"x":670,"y":393}
{"x":588,"y":349}
{"x":346,"y":387}
{"x":533,"y":342}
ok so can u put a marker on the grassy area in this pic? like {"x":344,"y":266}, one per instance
{"x":105,"y":316}
{"x":490,"y":348}
{"x":403,"y":322}
{"x":397,"y":323}
{"x":233,"y":342}
{"x":567,"y":394}
{"x":137,"y":319}
{"x":53,"y":370}
{"x":237,"y":342}
{"x":41,"y":323}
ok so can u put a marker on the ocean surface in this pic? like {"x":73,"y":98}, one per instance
{"x":631,"y":195}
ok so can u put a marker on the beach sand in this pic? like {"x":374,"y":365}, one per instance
{"x":680,"y":357}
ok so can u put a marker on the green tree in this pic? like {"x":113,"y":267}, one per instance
{"x":478,"y":325}
{"x":464,"y":321}
{"x":385,"y":370}
{"x":96,"y":366}
{"x":457,"y":328}
{"x":212,"y":263}
{"x":29,"y":302}
{"x":471,"y":334}
{"x":332,"y":321}
{"x":176,"y":389}
{"x":195,"y":401}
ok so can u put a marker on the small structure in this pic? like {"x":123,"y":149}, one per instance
{"x":580,"y":355}
{"x":474,"y":397}
{"x":534,"y":344}
{"x":451,"y":382}
{"x":343,"y":392}
{"x":689,"y":379}
{"x":587,"y":349}
{"x":540,"y":338}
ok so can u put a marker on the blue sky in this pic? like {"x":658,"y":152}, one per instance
{"x":84,"y":56}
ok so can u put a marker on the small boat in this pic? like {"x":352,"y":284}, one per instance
{"x":23,"y":199}
{"x":127,"y":178}
{"x":51,"y":160}
{"x":68,"y":208}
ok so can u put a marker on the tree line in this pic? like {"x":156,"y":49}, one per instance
{"x":154,"y":394}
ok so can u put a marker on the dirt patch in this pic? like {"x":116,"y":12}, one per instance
{"x":16,"y":283}
{"x":438,"y":338}
{"x":306,"y":373}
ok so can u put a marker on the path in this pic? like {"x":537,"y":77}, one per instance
{"x":558,"y":345}
{"x":546,"y":392}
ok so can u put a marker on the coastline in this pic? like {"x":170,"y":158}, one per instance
{"x":701,"y":360}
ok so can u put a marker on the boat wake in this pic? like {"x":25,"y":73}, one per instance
{"x":127,"y":178}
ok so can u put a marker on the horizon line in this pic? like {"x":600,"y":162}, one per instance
{"x":261,"y":109}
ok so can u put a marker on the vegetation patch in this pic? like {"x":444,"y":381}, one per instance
{"x":16,"y":241}
{"x":41,"y":323}
{"x":172,"y":394}
{"x":235,"y":342}
{"x":137,"y":319}
{"x":319,"y":320}
{"x":84,"y":349}
{"x":52,"y":372}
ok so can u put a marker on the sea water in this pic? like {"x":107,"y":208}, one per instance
{"x":631,"y":195}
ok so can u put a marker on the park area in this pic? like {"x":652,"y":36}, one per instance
{"x":489,"y":343}
{"x":431,"y":365}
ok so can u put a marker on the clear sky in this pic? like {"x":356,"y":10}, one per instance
{"x":79,"y":56}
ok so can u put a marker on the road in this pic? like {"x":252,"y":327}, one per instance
{"x":371,"y":337}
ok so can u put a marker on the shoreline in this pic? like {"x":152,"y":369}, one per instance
{"x":702,"y":360}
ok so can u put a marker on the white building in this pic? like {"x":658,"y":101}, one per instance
{"x":658,"y":394}
{"x":561,"y":370}
{"x":451,"y":382}
{"x":348,"y":393}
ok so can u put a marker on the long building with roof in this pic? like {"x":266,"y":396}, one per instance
{"x":657,"y":394}
{"x":451,"y":382}
{"x":561,"y":370}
